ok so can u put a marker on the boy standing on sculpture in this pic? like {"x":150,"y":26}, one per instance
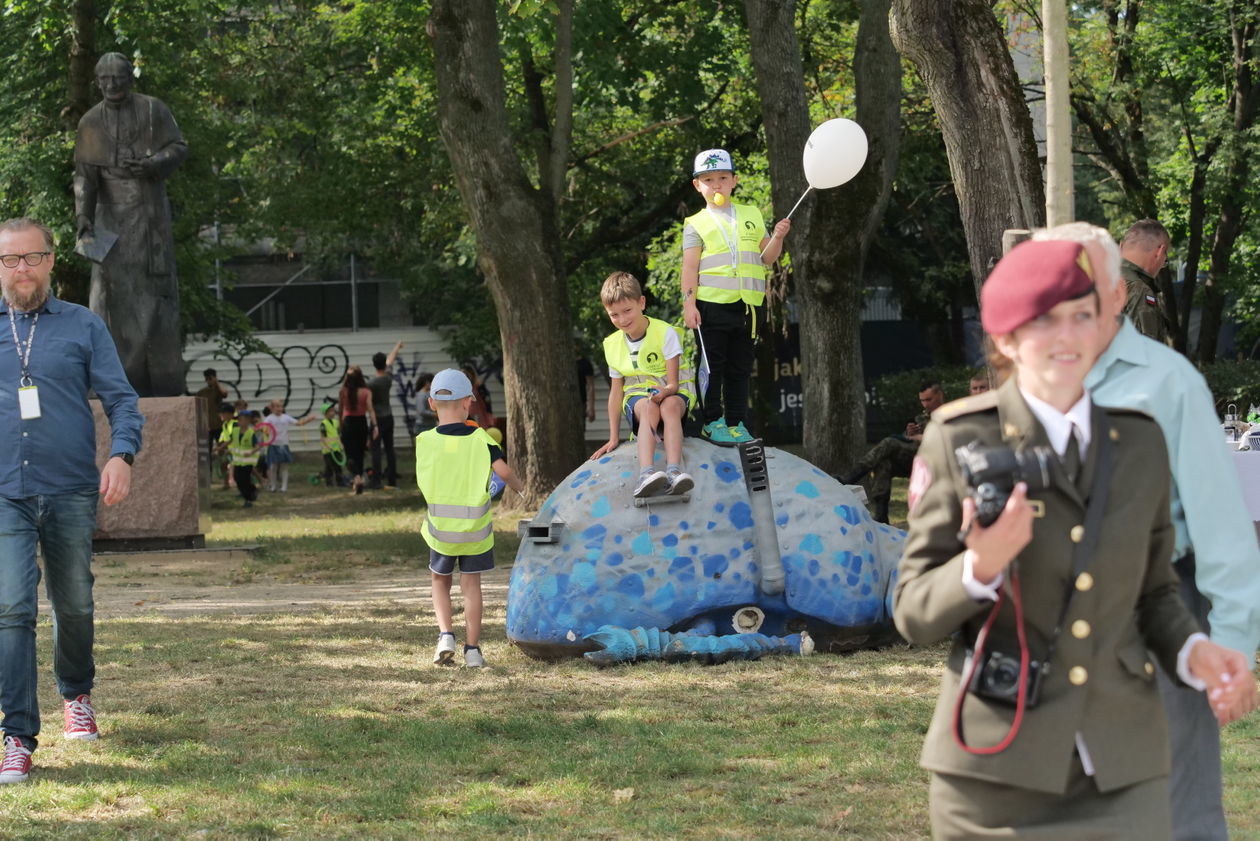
{"x":453,"y":466}
{"x":725,"y":255}
{"x":648,"y":386}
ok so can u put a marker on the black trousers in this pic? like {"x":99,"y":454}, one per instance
{"x":385,"y":441}
{"x":244,"y":475}
{"x":727,"y":332}
{"x":354,"y":438}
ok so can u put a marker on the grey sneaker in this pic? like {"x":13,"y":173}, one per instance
{"x":680,"y":483}
{"x":473,"y":658}
{"x":444,"y":654}
{"x":651,"y":483}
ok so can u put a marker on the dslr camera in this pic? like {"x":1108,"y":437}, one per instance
{"x":991,"y":474}
{"x":997,"y":678}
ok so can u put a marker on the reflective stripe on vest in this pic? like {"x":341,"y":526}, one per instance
{"x":646,"y":370}
{"x":722,"y":282}
{"x":239,"y":447}
{"x":453,"y":472}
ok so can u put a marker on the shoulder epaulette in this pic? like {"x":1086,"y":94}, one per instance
{"x":965,"y":406}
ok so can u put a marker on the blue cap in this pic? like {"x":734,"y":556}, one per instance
{"x":453,"y":382}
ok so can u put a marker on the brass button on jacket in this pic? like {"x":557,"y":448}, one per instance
{"x":1080,"y":629}
{"x":1150,"y":668}
{"x":1077,"y":533}
{"x":1077,"y":675}
{"x":1084,"y":581}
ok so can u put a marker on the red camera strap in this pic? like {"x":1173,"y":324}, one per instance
{"x":977,"y":657}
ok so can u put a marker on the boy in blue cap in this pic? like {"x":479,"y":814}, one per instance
{"x":454,"y":462}
{"x":725,"y":255}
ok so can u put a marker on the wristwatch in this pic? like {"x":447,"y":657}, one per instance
{"x":130,"y":458}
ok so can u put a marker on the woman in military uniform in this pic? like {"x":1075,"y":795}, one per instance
{"x":1085,"y":755}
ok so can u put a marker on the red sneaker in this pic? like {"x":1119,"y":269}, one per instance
{"x":17,"y":761}
{"x":80,"y":719}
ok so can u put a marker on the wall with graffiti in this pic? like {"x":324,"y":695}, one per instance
{"x":304,"y":369}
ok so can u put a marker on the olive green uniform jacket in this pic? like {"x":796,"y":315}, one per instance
{"x":1100,"y":683}
{"x":1143,"y":302}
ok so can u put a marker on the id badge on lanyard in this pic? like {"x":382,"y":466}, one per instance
{"x":28,"y":394}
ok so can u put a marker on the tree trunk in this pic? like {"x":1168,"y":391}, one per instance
{"x":517,"y":245}
{"x":961,"y":54}
{"x":832,"y":231}
{"x":82,"y":61}
{"x":1245,"y":100}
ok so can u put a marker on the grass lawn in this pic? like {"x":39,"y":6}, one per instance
{"x":328,"y":721}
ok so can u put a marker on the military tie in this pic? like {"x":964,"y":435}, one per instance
{"x":1072,"y":457}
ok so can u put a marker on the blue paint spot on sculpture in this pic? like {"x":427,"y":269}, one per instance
{"x":661,"y":573}
{"x":714,"y":565}
{"x":741,"y":516}
{"x":642,"y":544}
{"x":849,"y":514}
{"x":808,"y":490}
{"x":580,"y":478}
{"x":630,"y":585}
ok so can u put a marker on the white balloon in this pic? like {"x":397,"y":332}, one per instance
{"x":834,"y":153}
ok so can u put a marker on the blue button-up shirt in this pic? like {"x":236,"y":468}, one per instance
{"x":71,"y":354}
{"x":1208,"y":512}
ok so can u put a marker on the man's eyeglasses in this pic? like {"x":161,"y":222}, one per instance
{"x":32,"y":258}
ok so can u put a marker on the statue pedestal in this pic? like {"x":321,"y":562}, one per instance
{"x":165,"y":507}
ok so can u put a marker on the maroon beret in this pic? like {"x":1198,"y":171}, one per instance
{"x":1033,"y":278}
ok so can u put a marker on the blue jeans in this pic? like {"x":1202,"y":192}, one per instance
{"x":63,"y":526}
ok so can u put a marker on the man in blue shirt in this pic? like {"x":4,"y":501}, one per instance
{"x":52,"y":355}
{"x":1216,"y":554}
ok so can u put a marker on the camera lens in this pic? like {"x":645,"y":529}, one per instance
{"x":1005,"y":676}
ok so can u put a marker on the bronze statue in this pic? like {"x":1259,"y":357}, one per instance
{"x":126,"y":146}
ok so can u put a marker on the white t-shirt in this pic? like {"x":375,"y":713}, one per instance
{"x":281,"y":423}
{"x":672,"y":348}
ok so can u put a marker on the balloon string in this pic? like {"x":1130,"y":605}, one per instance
{"x":789,"y":216}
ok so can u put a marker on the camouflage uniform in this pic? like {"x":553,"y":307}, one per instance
{"x":891,"y":457}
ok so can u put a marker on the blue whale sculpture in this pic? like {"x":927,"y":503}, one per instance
{"x":766,"y":542}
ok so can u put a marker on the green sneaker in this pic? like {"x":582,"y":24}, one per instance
{"x":718,"y":432}
{"x":740,"y":434}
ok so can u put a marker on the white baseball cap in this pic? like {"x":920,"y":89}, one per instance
{"x":452,"y":381}
{"x":713,"y":160}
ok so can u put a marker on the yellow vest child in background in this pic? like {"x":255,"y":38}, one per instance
{"x":647,"y":386}
{"x":725,"y":255}
{"x":453,"y":466}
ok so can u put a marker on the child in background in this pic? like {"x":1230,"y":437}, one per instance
{"x":454,"y":463}
{"x":227,"y":426}
{"x":724,"y":289}
{"x":279,"y":456}
{"x":648,"y":386}
{"x":330,"y":445}
{"x":245,"y":448}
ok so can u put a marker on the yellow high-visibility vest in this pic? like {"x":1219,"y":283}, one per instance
{"x":453,"y":472}
{"x":728,"y":277}
{"x":240,"y":443}
{"x":330,"y":435}
{"x":646,"y":370}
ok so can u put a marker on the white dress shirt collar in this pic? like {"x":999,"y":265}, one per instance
{"x":1059,"y":425}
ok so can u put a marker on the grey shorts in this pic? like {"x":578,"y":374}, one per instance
{"x":445,"y":564}
{"x":634,"y":425}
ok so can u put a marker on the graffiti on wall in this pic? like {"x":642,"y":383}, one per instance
{"x":304,"y":376}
